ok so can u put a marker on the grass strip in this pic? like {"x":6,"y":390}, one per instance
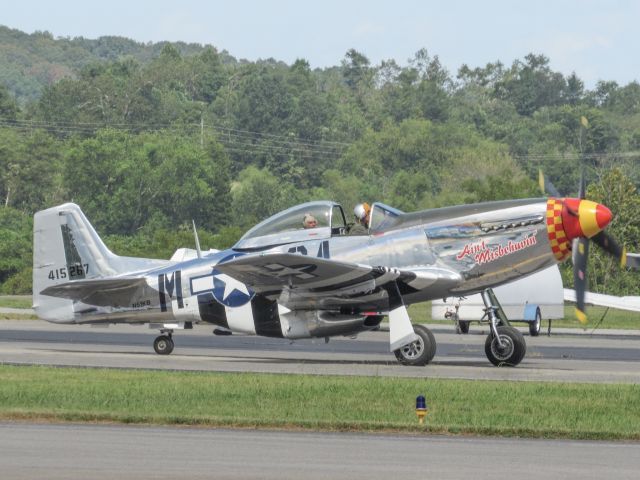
{"x":17,"y":316}
{"x":528,"y":409}
{"x":15,"y":302}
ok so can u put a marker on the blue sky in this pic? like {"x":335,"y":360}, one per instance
{"x":598,"y":39}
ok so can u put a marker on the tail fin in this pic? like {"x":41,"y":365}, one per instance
{"x":65,"y":248}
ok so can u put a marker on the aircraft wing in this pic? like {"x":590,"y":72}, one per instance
{"x":631,"y":304}
{"x":280,"y":270}
{"x":114,"y":292}
{"x":311,"y":282}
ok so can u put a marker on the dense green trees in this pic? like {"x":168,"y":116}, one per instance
{"x":147,"y":137}
{"x":165,"y":177}
{"x":615,"y":190}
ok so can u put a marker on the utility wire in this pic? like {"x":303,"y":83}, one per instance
{"x":246,"y":141}
{"x":239,"y":141}
{"x":85,"y":126}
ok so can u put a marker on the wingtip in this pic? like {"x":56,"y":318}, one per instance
{"x":581,"y":316}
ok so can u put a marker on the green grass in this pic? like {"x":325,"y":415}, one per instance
{"x":15,"y":302}
{"x":613,"y":319}
{"x":587,"y":411}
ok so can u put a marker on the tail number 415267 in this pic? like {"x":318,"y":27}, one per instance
{"x":71,"y":272}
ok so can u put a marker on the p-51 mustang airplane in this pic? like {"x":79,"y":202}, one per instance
{"x":283,"y":280}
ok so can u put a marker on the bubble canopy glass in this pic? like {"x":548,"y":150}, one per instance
{"x":287,"y":226}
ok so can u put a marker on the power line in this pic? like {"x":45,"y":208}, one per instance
{"x":577,"y":156}
{"x":246,"y":141}
{"x":234,"y":139}
{"x":88,"y":126}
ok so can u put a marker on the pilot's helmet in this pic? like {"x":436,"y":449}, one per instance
{"x":361,"y":211}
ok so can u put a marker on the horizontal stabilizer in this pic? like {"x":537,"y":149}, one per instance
{"x":113,"y":292}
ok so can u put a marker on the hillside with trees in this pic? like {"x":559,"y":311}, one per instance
{"x":146,"y":137}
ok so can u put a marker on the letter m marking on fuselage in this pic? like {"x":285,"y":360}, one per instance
{"x":168,"y":284}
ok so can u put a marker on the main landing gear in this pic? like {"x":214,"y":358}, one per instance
{"x":419,"y":352}
{"x":163,"y":344}
{"x":505,"y":346}
{"x":411,"y":344}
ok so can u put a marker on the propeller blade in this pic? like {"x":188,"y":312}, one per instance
{"x":607,"y":243}
{"x":583,"y":186}
{"x":580,"y":255}
{"x":546,"y":186}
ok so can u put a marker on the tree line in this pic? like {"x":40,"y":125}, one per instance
{"x":145,"y":142}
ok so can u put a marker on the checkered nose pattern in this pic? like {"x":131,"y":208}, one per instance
{"x":571,"y":218}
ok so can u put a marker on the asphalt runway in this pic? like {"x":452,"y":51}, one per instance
{"x":609,"y":357}
{"x":78,"y":452}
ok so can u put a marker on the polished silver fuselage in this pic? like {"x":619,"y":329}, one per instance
{"x":441,"y":252}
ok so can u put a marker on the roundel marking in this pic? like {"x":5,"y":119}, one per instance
{"x":227,"y":290}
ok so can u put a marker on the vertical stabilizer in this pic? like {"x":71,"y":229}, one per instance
{"x":66,"y":248}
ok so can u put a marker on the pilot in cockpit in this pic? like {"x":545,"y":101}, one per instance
{"x":361,"y":212}
{"x":309,"y":221}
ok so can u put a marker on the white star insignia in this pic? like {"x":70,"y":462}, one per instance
{"x":231,"y":284}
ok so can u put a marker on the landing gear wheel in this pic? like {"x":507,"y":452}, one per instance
{"x":512,"y":350}
{"x":163,"y":345}
{"x":534,"y":327}
{"x":463,"y":326}
{"x":420,"y":352}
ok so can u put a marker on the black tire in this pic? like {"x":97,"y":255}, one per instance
{"x":534,"y":327}
{"x":420,"y":352}
{"x":163,"y":345}
{"x":463,"y":326}
{"x":513,"y":351}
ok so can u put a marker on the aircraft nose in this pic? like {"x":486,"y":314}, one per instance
{"x":603,"y":216}
{"x":584,"y":218}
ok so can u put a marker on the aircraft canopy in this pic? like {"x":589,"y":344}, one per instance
{"x":288,"y":227}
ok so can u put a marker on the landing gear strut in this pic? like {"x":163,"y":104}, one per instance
{"x":505,"y":346}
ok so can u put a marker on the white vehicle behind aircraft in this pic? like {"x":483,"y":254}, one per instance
{"x":538,"y":297}
{"x":282,"y":279}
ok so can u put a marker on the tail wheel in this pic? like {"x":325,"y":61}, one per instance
{"x":163,"y":345}
{"x":419,"y":352}
{"x":534,"y":327}
{"x":512,"y":350}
